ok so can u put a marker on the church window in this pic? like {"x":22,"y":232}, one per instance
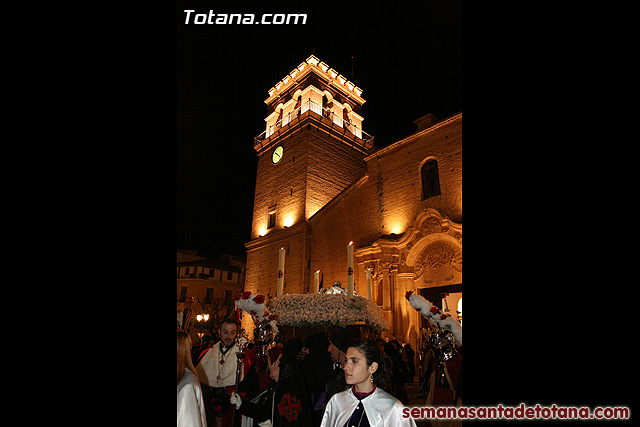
{"x":272,"y":220}
{"x":430,"y":179}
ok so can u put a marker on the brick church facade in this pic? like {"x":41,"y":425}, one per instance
{"x":322,"y":183}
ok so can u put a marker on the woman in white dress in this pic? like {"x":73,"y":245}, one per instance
{"x":365,"y":404}
{"x":190,"y":404}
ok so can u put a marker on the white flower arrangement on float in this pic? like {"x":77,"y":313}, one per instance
{"x":434,"y":315}
{"x":327,"y":309}
{"x":256,"y":307}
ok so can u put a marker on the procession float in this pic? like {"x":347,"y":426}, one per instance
{"x":325,"y":309}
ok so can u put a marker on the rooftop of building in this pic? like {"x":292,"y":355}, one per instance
{"x":223,"y":262}
{"x":313,"y":64}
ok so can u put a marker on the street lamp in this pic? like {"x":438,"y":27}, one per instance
{"x":200,"y":318}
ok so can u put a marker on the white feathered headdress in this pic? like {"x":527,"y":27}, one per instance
{"x":255,"y":306}
{"x":434,"y":315}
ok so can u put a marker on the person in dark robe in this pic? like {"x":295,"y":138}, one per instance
{"x":285,"y":402}
{"x":338,"y":343}
{"x":317,"y":367}
{"x":401,"y":375}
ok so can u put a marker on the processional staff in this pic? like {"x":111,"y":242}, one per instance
{"x":242,"y":341}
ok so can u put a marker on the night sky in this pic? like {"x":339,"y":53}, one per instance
{"x":407,"y":60}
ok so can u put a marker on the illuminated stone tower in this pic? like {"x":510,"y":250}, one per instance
{"x":313,"y":147}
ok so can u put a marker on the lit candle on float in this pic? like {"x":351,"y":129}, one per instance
{"x":280,"y":272}
{"x":367,"y":273}
{"x":316,"y":280}
{"x":350,"y":270}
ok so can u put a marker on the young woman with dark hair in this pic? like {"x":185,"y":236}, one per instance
{"x":365,"y":404}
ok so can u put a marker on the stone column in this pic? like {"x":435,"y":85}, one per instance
{"x":408,"y":325}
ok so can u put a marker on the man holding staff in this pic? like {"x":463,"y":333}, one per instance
{"x":217,"y":374}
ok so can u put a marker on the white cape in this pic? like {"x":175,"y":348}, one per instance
{"x":209,"y":367}
{"x":190,"y":404}
{"x":382,"y":409}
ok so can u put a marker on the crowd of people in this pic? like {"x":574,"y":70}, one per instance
{"x":321,"y":381}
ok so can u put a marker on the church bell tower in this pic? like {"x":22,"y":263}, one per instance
{"x":312,"y":148}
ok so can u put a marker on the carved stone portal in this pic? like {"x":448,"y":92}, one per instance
{"x":428,"y":254}
{"x":437,"y":261}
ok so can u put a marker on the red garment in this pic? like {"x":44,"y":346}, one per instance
{"x":453,"y":368}
{"x":443,"y":396}
{"x":361,"y":396}
{"x":203,"y":353}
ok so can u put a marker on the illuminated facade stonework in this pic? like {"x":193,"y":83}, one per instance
{"x":331,"y":185}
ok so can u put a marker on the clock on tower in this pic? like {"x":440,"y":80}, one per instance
{"x":277,"y":154}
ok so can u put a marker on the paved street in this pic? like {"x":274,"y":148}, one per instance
{"x":414,"y":391}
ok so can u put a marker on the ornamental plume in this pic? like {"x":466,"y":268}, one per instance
{"x":434,"y":315}
{"x":255,"y":306}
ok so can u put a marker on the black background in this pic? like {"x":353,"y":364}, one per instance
{"x":537,"y":327}
{"x":127,"y":110}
